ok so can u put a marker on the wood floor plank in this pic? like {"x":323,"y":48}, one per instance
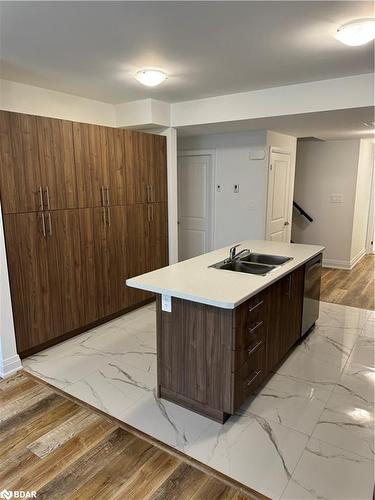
{"x":214,"y":490}
{"x":355,"y":288}
{"x":183,"y":484}
{"x":80,"y":473}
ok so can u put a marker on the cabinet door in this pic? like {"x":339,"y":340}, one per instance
{"x":136,"y":245}
{"x":118,"y":295}
{"x":116,"y":194}
{"x":64,"y":269}
{"x":158,"y":169}
{"x":20,"y":179}
{"x":293,"y":297}
{"x":157,"y":240}
{"x":26,"y":248}
{"x":91,"y":158}
{"x":138,"y":148}
{"x":57,"y":165}
{"x":275,"y":323}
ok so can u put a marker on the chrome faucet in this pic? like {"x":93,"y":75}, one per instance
{"x":232,"y":253}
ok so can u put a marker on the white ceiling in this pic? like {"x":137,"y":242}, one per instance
{"x":93,"y":49}
{"x":327,"y":125}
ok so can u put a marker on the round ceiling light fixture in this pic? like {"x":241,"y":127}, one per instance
{"x":357,"y":32}
{"x":150,"y":77}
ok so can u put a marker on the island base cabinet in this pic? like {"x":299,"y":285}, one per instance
{"x":210,"y":360}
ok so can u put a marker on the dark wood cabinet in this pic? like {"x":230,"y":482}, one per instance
{"x":26,"y":246}
{"x":81,"y":215}
{"x":146,"y":168}
{"x":92,"y":160}
{"x":57,"y":165}
{"x":211,"y":360}
{"x":20,"y":177}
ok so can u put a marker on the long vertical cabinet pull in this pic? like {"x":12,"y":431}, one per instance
{"x":47,"y":196}
{"x":49,"y":223}
{"x":104,"y":214}
{"x":108,"y":208}
{"x":41,"y":203}
{"x":41,"y":215}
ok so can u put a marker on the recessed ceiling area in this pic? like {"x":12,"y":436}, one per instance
{"x":94,"y":49}
{"x":353,"y":123}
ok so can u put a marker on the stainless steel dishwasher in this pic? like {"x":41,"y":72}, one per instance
{"x":311,"y":295}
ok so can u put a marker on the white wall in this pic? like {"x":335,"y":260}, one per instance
{"x":9,"y":359}
{"x":238,"y":216}
{"x":323,"y":169}
{"x":362,"y":199}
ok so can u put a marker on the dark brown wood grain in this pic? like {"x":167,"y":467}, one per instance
{"x":117,"y":181}
{"x":92,"y":163}
{"x":20,"y":177}
{"x":57,"y":164}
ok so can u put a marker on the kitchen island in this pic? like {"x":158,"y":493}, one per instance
{"x":219,"y":332}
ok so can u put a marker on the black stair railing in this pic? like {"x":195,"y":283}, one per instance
{"x":301,"y":211}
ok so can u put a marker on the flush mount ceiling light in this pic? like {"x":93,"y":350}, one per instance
{"x":150,"y":77}
{"x":357,"y":32}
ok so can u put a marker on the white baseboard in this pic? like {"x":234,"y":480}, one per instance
{"x":10,"y":366}
{"x":357,"y":258}
{"x":344,"y":264}
{"x":336,"y":264}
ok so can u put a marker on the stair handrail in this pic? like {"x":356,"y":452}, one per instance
{"x":302,"y":211}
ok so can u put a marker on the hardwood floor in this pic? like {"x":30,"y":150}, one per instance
{"x":354,"y":288}
{"x":52,"y":445}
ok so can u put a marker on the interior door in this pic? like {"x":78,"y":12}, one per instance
{"x":57,"y":165}
{"x":92,"y":159}
{"x":278,"y":197}
{"x":20,"y":179}
{"x":26,"y":246}
{"x":194,"y":205}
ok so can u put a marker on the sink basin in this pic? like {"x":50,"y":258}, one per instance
{"x":240,"y":266}
{"x":262,"y":258}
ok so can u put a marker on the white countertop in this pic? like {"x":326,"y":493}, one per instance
{"x":194,"y":280}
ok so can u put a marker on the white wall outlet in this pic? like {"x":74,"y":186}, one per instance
{"x":236,"y":188}
{"x":166,"y":303}
{"x":218,"y":188}
{"x":337,"y":198}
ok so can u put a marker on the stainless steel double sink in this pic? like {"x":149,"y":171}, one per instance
{"x":252,"y":263}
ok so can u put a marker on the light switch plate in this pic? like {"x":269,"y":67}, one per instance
{"x":337,"y":198}
{"x":166,"y":303}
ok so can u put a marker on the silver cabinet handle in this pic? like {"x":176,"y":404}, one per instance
{"x":107,"y":192}
{"x":149,"y":213}
{"x":148,"y":193}
{"x":151,"y":192}
{"x":255,"y":348}
{"x":104,"y":216}
{"x":257,"y":325}
{"x":251,"y":380}
{"x":49,"y":223}
{"x":43,"y":224}
{"x":47,"y":195}
{"x":41,"y":204}
{"x":108,"y":216}
{"x":102,"y":196}
{"x":256,"y":305}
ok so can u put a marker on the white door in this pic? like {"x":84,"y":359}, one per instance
{"x":278,"y":197}
{"x":194,"y":205}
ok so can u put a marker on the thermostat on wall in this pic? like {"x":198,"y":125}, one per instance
{"x":257,"y":154}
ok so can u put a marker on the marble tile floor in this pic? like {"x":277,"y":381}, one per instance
{"x":308,"y":433}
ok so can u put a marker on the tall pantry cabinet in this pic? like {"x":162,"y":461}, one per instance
{"x":84,"y":208}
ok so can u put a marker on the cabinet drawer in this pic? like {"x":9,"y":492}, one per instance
{"x":248,"y":315}
{"x":250,"y":375}
{"x":249,"y":341}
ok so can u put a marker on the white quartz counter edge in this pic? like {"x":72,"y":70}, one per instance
{"x":235,"y":287}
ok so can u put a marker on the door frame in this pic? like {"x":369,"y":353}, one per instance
{"x":211,"y":199}
{"x":273,"y":149}
{"x":370,"y":233}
